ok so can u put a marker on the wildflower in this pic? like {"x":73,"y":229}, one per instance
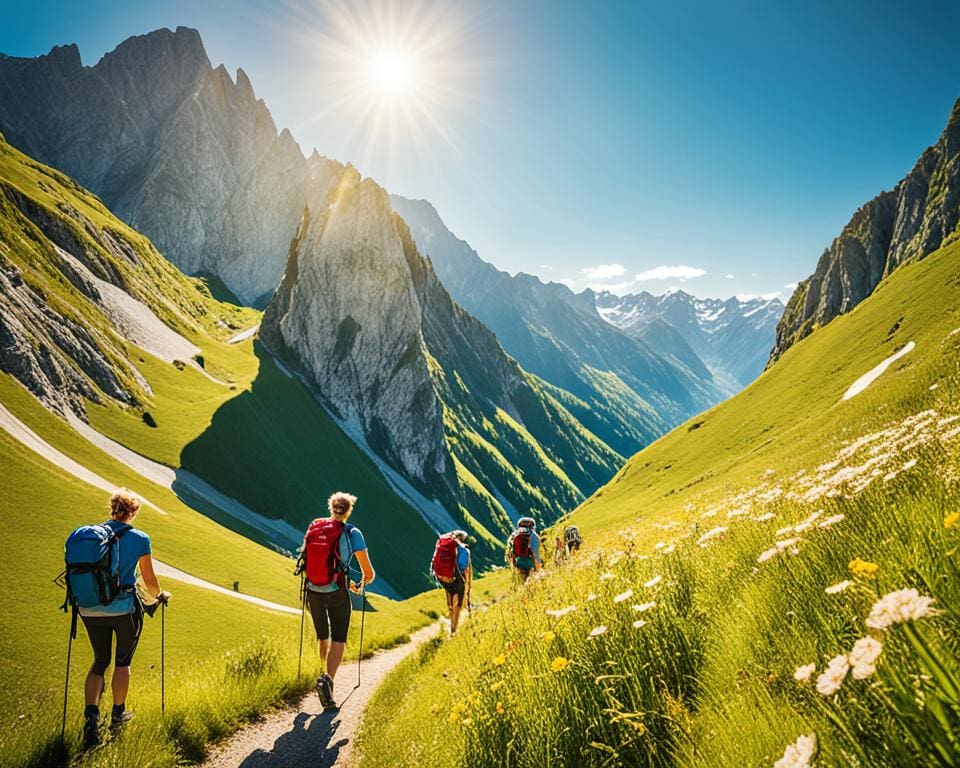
{"x":860,"y":567}
{"x":669,"y":550}
{"x":454,"y":716}
{"x":902,"y":605}
{"x":832,"y":520}
{"x":767,"y":554}
{"x":500,"y":660}
{"x":764,"y":517}
{"x":547,"y":636}
{"x":660,"y":545}
{"x":951,"y":520}
{"x":468,"y":721}
{"x":784,"y":531}
{"x":639,"y":623}
{"x":711,"y":534}
{"x":607,"y":576}
{"x":496,"y":686}
{"x":802,"y":674}
{"x":837,"y":588}
{"x":559,"y":613}
{"x":591,"y":597}
{"x":643,"y":607}
{"x":597,"y":631}
{"x":623,"y":596}
{"x":457,"y":711}
{"x":864,"y":656}
{"x":833,"y":676}
{"x":559,"y":664}
{"x":799,"y":754}
{"x":786,"y":543}
{"x":500,"y":709}
{"x":653,"y":582}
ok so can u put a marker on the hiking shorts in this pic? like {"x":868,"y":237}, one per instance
{"x":330,"y":612}
{"x":456,"y":588}
{"x":101,"y":629}
{"x":524,"y":573}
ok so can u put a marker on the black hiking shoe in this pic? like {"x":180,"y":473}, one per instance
{"x":91,"y":731}
{"x":325,"y":692}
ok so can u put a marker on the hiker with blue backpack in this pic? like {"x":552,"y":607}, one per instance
{"x":329,"y":547}
{"x":523,"y":548}
{"x":102,"y":562}
{"x":451,"y":567}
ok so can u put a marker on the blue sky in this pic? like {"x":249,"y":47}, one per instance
{"x":731,"y":139}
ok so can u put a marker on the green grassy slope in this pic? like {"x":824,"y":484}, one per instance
{"x":704,"y":579}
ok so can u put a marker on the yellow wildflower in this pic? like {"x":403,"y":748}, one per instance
{"x":862,"y":567}
{"x":468,"y":721}
{"x":548,"y":636}
{"x":500,"y":709}
{"x":454,"y":716}
{"x":951,"y":520}
{"x":559,"y":664}
{"x":496,"y":686}
{"x":500,"y":660}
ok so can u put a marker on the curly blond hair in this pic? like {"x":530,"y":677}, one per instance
{"x":341,"y":504}
{"x":124,"y":505}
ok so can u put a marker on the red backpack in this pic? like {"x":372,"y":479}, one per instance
{"x":521,"y":544}
{"x":445,"y":559}
{"x":322,"y":552}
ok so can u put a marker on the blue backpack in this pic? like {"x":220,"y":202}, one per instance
{"x":92,"y":557}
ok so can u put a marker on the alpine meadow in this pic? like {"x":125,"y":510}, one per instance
{"x":483,"y":415}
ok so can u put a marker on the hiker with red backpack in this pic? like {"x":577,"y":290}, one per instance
{"x":102,"y":562}
{"x":452,"y":568}
{"x":523,"y":548}
{"x":329,"y":546}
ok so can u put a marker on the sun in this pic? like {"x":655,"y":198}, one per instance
{"x":391,"y":73}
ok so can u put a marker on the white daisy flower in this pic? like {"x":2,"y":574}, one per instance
{"x":607,"y":576}
{"x":832,"y":520}
{"x":833,"y":676}
{"x":653,"y":582}
{"x":591,"y":597}
{"x":902,"y":605}
{"x":802,"y":674}
{"x":767,"y":554}
{"x":786,"y":543}
{"x":864,"y":656}
{"x":623,"y":596}
{"x":799,"y":754}
{"x":784,"y":531}
{"x":764,"y":517}
{"x":645,"y":606}
{"x":559,"y":613}
{"x":840,"y":586}
{"x":639,"y":623}
{"x":597,"y":631}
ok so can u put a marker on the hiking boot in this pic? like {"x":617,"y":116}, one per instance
{"x":325,"y":692}
{"x":118,"y":720}
{"x":91,"y":731}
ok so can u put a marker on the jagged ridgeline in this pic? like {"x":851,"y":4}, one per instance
{"x":918,"y":216}
{"x":361,"y":314}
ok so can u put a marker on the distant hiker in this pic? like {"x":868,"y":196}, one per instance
{"x":567,"y":543}
{"x":452,"y":568}
{"x":236,"y":586}
{"x":523,"y":548}
{"x":102,"y":563}
{"x":329,"y":546}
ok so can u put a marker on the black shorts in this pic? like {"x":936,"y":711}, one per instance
{"x":101,"y":629}
{"x":330,"y":612}
{"x":456,"y":588}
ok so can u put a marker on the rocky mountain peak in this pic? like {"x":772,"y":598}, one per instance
{"x":65,"y":56}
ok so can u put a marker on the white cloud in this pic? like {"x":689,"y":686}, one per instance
{"x":791,"y":286}
{"x":752,"y":296}
{"x":603,"y":271}
{"x":547,"y":267}
{"x":617,"y":288}
{"x":676,"y":272}
{"x":728,"y":276}
{"x":567,"y":281}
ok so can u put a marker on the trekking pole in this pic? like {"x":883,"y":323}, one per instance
{"x":163,"y":666}
{"x":303,"y":613}
{"x":363,"y":616}
{"x":66,"y":683}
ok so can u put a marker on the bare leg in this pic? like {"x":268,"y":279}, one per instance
{"x":324,"y":652}
{"x":120,"y":685}
{"x":334,"y":657}
{"x":454,"y":613}
{"x":93,"y":688}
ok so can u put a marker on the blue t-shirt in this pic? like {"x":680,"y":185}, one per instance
{"x":133,"y":545}
{"x":351,"y":542}
{"x":463,"y":557}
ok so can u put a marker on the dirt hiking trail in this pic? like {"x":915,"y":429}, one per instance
{"x":304,"y":736}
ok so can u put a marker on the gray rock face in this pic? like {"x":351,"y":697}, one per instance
{"x":559,"y":336}
{"x":914,"y":219}
{"x":173,"y":146}
{"x":361,"y":314}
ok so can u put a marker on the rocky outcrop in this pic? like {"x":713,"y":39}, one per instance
{"x":362,"y":316}
{"x":914,"y":219}
{"x":559,"y":336}
{"x":176,"y":148}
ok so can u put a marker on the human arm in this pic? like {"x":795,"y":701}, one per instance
{"x":150,"y":579}
{"x":366,"y":568}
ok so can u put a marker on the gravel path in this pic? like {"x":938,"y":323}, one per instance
{"x":304,"y":736}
